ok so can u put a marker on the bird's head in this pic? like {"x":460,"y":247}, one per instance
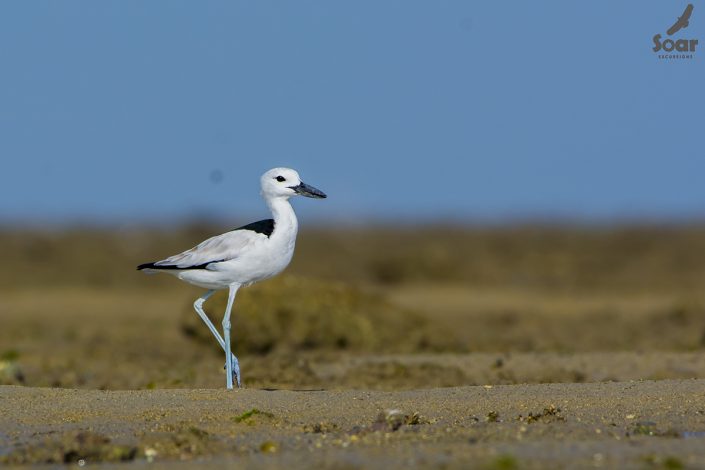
{"x":284,"y":183}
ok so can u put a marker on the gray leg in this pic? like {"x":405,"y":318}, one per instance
{"x":226,"y":336}
{"x":198,"y":305}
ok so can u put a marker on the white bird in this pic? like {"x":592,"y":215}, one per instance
{"x":243,"y":256}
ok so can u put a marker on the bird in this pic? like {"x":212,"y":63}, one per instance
{"x":243,"y":256}
{"x":682,"y":21}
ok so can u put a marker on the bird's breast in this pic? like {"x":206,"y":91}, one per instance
{"x":264,"y":260}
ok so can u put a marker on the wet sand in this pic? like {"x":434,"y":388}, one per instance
{"x":641,"y":424}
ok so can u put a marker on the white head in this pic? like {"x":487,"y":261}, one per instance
{"x":284,"y":183}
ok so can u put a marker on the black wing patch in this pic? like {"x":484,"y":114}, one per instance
{"x":174,"y":266}
{"x":265,"y":226}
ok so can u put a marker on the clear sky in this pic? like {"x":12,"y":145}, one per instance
{"x":158,"y":110}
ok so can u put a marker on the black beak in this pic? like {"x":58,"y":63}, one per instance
{"x":308,"y":191}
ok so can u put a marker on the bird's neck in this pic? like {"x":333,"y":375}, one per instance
{"x":284,"y":216}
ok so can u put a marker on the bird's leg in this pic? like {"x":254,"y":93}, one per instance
{"x":226,"y":336}
{"x":198,"y":305}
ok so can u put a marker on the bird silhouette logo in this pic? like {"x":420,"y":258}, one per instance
{"x":676,"y":47}
{"x":682,"y":21}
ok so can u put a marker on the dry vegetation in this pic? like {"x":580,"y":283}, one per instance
{"x":504,"y":290}
{"x":648,"y":258}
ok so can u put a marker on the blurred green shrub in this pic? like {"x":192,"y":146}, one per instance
{"x":292,"y":313}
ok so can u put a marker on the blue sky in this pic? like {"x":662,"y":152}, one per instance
{"x":122,"y":110}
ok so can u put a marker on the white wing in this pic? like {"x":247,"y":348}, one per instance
{"x":225,"y":247}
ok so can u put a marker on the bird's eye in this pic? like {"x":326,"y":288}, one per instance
{"x":281,"y":179}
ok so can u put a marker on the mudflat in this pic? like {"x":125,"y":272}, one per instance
{"x":640,"y":424}
{"x":496,"y":350}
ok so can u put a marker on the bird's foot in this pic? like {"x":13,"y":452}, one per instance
{"x":236,"y":371}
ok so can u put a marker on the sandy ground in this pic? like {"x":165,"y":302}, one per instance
{"x":545,"y":381}
{"x":644,"y":424}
